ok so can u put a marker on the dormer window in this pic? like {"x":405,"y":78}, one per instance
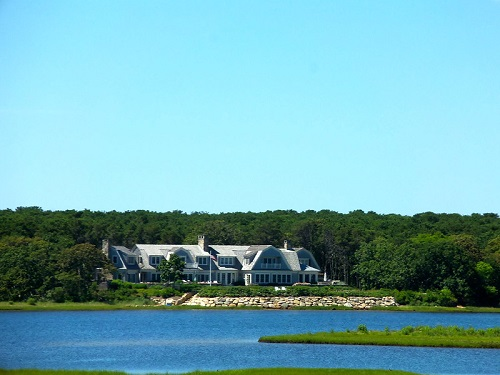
{"x":131,"y":260}
{"x":304,"y":261}
{"x":202,"y":261}
{"x":154,"y":260}
{"x":225,"y":261}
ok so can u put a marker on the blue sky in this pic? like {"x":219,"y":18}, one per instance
{"x":223,"y":106}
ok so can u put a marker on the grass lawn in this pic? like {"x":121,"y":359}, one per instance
{"x":264,"y":371}
{"x":453,"y":337}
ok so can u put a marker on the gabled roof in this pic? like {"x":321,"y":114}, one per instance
{"x":124,"y":249}
{"x":306,"y":268}
{"x":123,"y":253}
{"x":291,"y":258}
{"x":254,"y":253}
{"x":246,"y":256}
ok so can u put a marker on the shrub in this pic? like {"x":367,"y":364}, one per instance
{"x":362,"y":328}
{"x":159,"y":291}
{"x":57,"y":295}
{"x":191,"y":288}
{"x":430,"y":298}
{"x":446,"y":298}
{"x":408,"y":330}
{"x":406,"y":297}
{"x":118,"y":284}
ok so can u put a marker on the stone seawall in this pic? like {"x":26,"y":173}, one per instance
{"x":357,"y":303}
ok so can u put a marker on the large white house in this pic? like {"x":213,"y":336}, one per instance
{"x":220,"y":264}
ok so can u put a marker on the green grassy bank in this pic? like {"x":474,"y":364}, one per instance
{"x":453,"y":337}
{"x":70,"y":306}
{"x":134,"y":305}
{"x":264,"y":371}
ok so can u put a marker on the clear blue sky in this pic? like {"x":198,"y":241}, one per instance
{"x":222,"y":106}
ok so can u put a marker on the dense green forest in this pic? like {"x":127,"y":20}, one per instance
{"x":45,"y":253}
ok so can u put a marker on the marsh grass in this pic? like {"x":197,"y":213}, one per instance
{"x":260,"y":371}
{"x":440,"y":336}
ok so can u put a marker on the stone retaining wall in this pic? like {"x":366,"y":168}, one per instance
{"x":358,"y":303}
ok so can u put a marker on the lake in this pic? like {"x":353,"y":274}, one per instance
{"x":179,"y":341}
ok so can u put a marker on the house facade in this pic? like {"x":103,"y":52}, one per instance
{"x":218,"y":264}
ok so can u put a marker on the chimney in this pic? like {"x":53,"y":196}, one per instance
{"x":105,"y":247}
{"x":287,"y":245}
{"x":203,"y":242}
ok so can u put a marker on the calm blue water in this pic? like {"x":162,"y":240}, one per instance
{"x":181,"y":341}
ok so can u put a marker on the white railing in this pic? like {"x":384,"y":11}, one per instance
{"x":271,"y":266}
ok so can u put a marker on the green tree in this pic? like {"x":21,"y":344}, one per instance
{"x":382,"y":264}
{"x":171,"y":270}
{"x":26,"y":268}
{"x":488,"y":292}
{"x":445,"y":262}
{"x":77,"y":271}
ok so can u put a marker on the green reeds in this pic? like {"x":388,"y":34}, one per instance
{"x":440,"y":336}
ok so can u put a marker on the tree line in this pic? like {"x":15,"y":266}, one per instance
{"x":427,"y":251}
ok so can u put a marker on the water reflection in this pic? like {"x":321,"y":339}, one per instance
{"x":181,"y":341}
{"x":157,"y":342}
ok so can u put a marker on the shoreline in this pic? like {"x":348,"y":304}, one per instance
{"x":250,"y":371}
{"x":100,"y":306}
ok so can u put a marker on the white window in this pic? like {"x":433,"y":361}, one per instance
{"x":271,"y":263}
{"x":154,"y":260}
{"x":282,"y":279}
{"x":225,"y":261}
{"x":304,"y":261}
{"x":262,"y":278}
